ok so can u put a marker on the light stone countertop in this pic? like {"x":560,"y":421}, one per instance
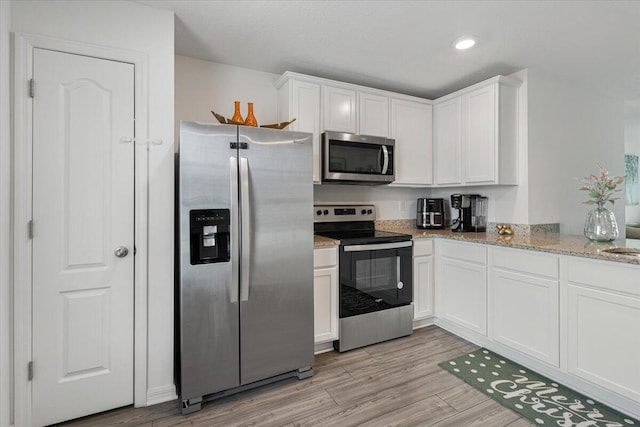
{"x":548,"y":242}
{"x":551,"y":242}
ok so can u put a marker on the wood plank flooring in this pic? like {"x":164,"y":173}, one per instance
{"x":395,"y":383}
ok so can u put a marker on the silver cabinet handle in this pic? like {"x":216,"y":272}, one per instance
{"x":121,"y":251}
{"x":235,"y":269}
{"x":245,"y":212}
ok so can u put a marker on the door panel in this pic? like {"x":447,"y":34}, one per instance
{"x":207,"y":293}
{"x":82,"y":210}
{"x":276,"y":318}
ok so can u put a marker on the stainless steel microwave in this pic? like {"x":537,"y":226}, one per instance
{"x":357,"y":159}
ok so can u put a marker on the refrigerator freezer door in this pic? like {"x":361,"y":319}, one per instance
{"x":276,"y":319}
{"x":208,"y":296}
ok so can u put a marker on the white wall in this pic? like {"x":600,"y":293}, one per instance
{"x":132,"y":26}
{"x":571,"y":128}
{"x":632,"y":146}
{"x":6,"y":406}
{"x":202,"y":86}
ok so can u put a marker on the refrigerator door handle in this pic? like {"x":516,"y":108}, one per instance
{"x":235,"y":266}
{"x":245,"y":247}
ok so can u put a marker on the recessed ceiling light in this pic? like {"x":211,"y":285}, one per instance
{"x":464,"y":43}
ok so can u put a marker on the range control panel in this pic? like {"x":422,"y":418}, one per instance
{"x":342,"y":213}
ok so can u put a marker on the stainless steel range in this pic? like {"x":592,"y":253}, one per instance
{"x":375,"y":275}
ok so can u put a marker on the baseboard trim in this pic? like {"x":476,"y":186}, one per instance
{"x":165,"y":393}
{"x":423,"y":323}
{"x":324,"y":347}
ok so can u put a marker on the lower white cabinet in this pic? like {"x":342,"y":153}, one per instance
{"x":603,"y":325}
{"x":524,"y":303}
{"x":462,"y":285}
{"x":325,"y":294}
{"x":422,"y":278}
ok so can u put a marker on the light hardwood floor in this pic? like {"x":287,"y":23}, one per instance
{"x":395,"y":383}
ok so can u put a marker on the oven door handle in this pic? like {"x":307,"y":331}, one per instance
{"x":377,"y":246}
{"x":385,"y":159}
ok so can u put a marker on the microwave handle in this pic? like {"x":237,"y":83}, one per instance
{"x":385,"y":160}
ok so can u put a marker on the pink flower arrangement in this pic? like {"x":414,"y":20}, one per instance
{"x":601,"y":188}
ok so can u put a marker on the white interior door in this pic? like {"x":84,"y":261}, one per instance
{"x":83,"y":209}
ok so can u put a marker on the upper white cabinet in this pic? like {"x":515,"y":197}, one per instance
{"x":300,"y":99}
{"x":411,"y":127}
{"x":339,"y":109}
{"x":373,"y":114}
{"x":448,"y":141}
{"x":476,"y":134}
{"x":321,"y":105}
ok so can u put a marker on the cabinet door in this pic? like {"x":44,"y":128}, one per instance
{"x":479,"y":136}
{"x":463,"y":289}
{"x":304,"y":106}
{"x":373,"y":114}
{"x":325,"y":304}
{"x":603,"y":338}
{"x":448,"y":142}
{"x":411,"y":127}
{"x":525,"y":314}
{"x":339,"y":109}
{"x":422,"y":287}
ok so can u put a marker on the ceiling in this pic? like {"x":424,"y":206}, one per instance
{"x":406,"y":46}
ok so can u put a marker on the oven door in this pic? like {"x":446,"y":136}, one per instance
{"x":375,"y":277}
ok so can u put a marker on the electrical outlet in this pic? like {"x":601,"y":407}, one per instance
{"x":402,"y":205}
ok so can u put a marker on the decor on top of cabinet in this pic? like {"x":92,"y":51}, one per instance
{"x":251,"y":119}
{"x":224,"y":120}
{"x":601,"y":225}
{"x":280,"y":126}
{"x":237,"y":117}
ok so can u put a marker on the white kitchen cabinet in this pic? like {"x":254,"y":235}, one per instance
{"x":301,"y":100}
{"x":461,"y":285}
{"x":422,"y":278}
{"x":373,"y":114}
{"x":448,"y":141}
{"x":603,"y":324}
{"x":476,"y":134}
{"x":325,"y":294}
{"x":524,"y":311}
{"x":411,"y":127}
{"x":339,"y":109}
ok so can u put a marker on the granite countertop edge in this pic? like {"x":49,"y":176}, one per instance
{"x":560,"y":244}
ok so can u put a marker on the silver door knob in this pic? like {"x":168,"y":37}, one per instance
{"x":121,"y":251}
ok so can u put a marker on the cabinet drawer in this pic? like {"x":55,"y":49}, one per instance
{"x":325,"y":257}
{"x":422,"y":247}
{"x":463,"y":251}
{"x":608,"y":275}
{"x":526,"y":262}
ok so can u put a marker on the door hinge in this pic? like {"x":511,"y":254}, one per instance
{"x":30,"y":228}
{"x":31,"y":88}
{"x":30,"y":370}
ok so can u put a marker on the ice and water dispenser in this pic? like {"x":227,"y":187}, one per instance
{"x":210,"y":239}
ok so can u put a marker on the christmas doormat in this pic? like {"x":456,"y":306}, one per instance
{"x":533,"y":396}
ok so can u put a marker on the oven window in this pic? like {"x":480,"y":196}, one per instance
{"x":374,"y":280}
{"x":356,"y":157}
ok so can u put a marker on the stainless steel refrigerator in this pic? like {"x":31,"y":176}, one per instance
{"x":244,"y":281}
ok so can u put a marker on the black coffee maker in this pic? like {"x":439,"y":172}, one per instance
{"x":472,"y":212}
